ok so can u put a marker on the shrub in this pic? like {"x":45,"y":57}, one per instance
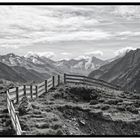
{"x":93,"y":102}
{"x":123,"y":95}
{"x":101,"y":100}
{"x":119,"y":100}
{"x":5,"y":110}
{"x":97,"y":114}
{"x":1,"y":87}
{"x":48,"y":109}
{"x":121,"y":108}
{"x":37,"y":111}
{"x":24,"y":125}
{"x":24,"y":106}
{"x":111,"y":102}
{"x":42,"y":125}
{"x":84,"y":93}
{"x":93,"y":95}
{"x":56,"y":94}
{"x":136,"y":103}
{"x":136,"y":96}
{"x":35,"y":106}
{"x":106,"y":107}
{"x":46,"y":132}
{"x":120,"y":103}
{"x":61,"y":89}
{"x":59,"y":132}
{"x":132,"y":109}
{"x":56,"y":125}
{"x":96,"y":106}
{"x":126,"y":92}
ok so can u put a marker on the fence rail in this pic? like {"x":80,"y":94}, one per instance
{"x":15,"y":95}
{"x":78,"y":79}
{"x":14,"y":116}
{"x":33,"y":91}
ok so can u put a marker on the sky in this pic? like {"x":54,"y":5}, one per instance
{"x":65,"y":32}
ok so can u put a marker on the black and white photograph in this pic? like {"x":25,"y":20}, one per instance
{"x":70,"y":70}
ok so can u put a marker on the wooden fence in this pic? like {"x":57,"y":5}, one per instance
{"x":33,"y":91}
{"x":14,"y":116}
{"x":15,"y":95}
{"x":78,"y":79}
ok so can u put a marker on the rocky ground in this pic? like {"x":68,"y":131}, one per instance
{"x":82,"y":110}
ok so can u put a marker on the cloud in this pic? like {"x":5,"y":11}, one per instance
{"x":127,"y":33}
{"x":48,"y":24}
{"x":89,"y":55}
{"x":129,"y":12}
{"x":95,"y":53}
{"x":74,"y":36}
{"x":45,"y":54}
{"x":8,"y":46}
{"x":65,"y":53}
{"x":122,"y":51}
{"x":82,"y":57}
{"x":63,"y":27}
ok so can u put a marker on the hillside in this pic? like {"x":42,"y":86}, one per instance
{"x":124,"y":71}
{"x":8,"y":73}
{"x":31,"y":62}
{"x":21,"y":74}
{"x":29,"y":74}
{"x":83,"y":110}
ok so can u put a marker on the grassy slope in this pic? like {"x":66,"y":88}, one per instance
{"x":79,"y":110}
{"x":5,"y":122}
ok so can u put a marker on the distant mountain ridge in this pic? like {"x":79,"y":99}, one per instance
{"x":25,"y":69}
{"x":44,"y":65}
{"x":124,"y":71}
{"x":82,"y":66}
{"x":36,"y":63}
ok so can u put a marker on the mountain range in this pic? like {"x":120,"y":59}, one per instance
{"x":27,"y":69}
{"x":38,"y":68}
{"x":80,"y":66}
{"x":124,"y":71}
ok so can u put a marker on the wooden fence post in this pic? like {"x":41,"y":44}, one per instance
{"x":15,"y":121}
{"x":24,"y":89}
{"x":17,"y":97}
{"x":10,"y":107}
{"x":36,"y":91}
{"x":46,"y":85}
{"x":64,"y":78}
{"x":53,"y":81}
{"x":84,"y":80}
{"x":31,"y":91}
{"x":7,"y":99}
{"x":58,"y":80}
